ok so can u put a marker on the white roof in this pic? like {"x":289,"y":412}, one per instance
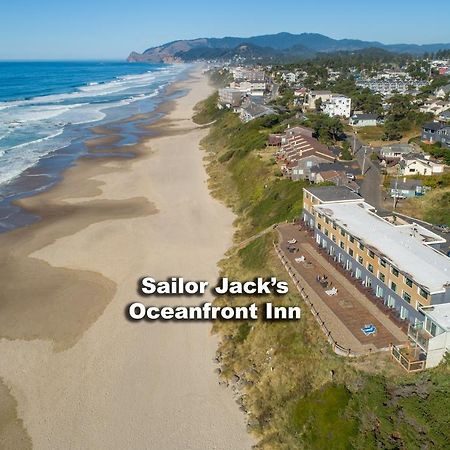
{"x":404,"y":246}
{"x":440,"y":314}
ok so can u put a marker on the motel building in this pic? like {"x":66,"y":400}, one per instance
{"x":398,"y":262}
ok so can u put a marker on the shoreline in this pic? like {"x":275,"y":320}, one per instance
{"x":73,"y":357}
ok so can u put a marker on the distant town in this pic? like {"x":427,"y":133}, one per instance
{"x":370,"y":142}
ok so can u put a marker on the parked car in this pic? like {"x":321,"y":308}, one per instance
{"x":350,"y":176}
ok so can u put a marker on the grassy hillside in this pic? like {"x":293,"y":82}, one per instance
{"x":297,"y":394}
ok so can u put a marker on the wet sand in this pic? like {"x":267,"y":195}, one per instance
{"x":75,"y":373}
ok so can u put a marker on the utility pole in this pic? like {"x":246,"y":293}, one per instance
{"x":396,"y":190}
{"x":364,"y":160}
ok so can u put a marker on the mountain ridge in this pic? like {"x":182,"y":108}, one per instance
{"x":270,"y":45}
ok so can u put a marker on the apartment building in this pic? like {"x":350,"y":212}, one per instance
{"x":313,"y":96}
{"x":399,"y":261}
{"x":230,"y":98}
{"x":337,"y":106}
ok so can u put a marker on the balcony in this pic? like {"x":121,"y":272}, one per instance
{"x":419,"y":336}
{"x":410,"y":358}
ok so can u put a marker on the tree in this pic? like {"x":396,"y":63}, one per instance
{"x":318,"y":104}
{"x":327,"y":129}
{"x":391,"y":131}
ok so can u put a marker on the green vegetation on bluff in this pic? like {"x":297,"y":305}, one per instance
{"x":296,"y":392}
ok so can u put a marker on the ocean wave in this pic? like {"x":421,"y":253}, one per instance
{"x":32,"y":129}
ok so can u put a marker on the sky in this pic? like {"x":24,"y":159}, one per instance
{"x":111,"y":29}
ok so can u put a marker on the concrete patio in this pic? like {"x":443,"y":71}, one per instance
{"x":345,"y":313}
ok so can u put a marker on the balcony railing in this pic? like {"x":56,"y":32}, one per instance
{"x":419,"y":335}
{"x":409,"y":362}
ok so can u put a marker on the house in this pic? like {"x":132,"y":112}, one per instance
{"x":299,"y":153}
{"x":398,"y":261}
{"x":253,"y":87}
{"x":313,"y":96}
{"x":251,"y":110}
{"x":406,"y":188}
{"x":337,"y":106}
{"x":337,"y":177}
{"x":443,"y":91}
{"x":430,"y":132}
{"x":301,"y":166}
{"x":445,"y":116}
{"x":364,"y":120}
{"x":395,"y":151}
{"x":277,"y":139}
{"x":414,"y":164}
{"x":434,"y":132}
{"x":435,"y":106}
{"x":230,"y":98}
{"x":296,"y":131}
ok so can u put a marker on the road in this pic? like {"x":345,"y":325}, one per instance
{"x":371,"y":184}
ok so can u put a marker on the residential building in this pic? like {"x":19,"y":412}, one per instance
{"x":299,"y":153}
{"x":399,"y":261}
{"x":443,"y":91}
{"x":251,"y":110}
{"x":445,"y":116}
{"x":249,"y":74}
{"x":337,"y":177}
{"x":337,"y":106}
{"x":406,"y":188}
{"x":364,"y":120}
{"x":313,"y":96}
{"x":431,"y":337}
{"x":255,"y":87}
{"x":419,"y":164}
{"x":230,"y":98}
{"x":435,"y":106}
{"x":395,"y":151}
{"x":387,"y":85}
{"x":435,"y":132}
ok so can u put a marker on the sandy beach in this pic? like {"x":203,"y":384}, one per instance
{"x":74,"y":372}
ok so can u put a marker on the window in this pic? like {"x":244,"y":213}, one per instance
{"x":326,"y":232}
{"x":350,"y":251}
{"x":342,"y":245}
{"x":408,"y":282}
{"x":342,"y":232}
{"x":319,"y":227}
{"x":333,"y":237}
{"x":370,"y":268}
{"x":327,"y":220}
{"x":393,"y":286}
{"x":382,"y":262}
{"x":371,"y":253}
{"x":334,"y":226}
{"x":361,"y":246}
{"x":423,"y":293}
{"x":352,"y":239}
{"x":381,"y":276}
{"x":403,"y":313}
{"x":406,"y":297}
{"x":360,"y":260}
{"x":395,"y":272}
{"x":307,"y":196}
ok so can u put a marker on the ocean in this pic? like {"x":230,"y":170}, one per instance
{"x":47,"y":108}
